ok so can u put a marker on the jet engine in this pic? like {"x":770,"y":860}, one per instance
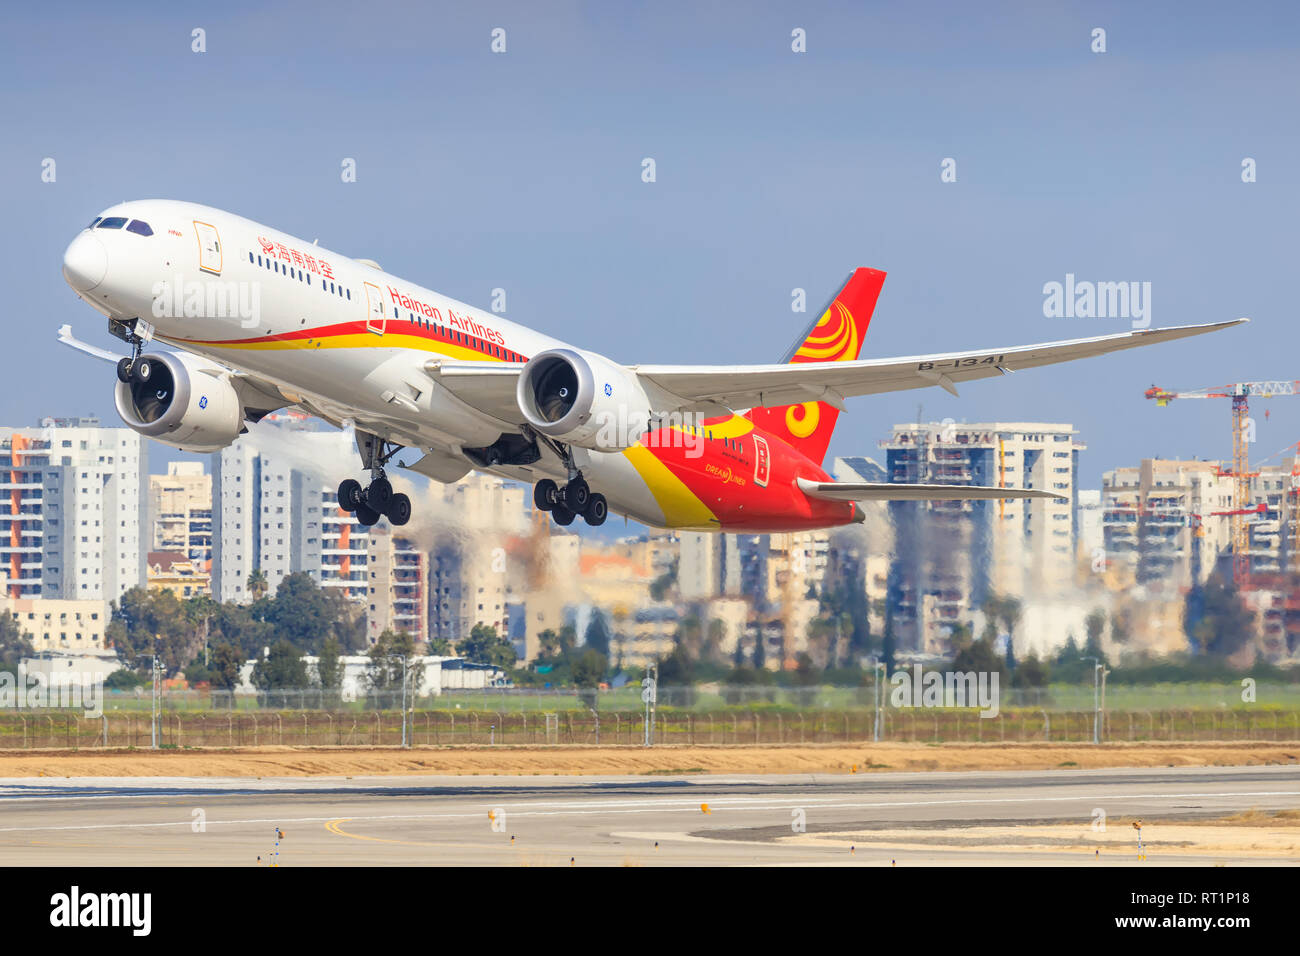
{"x":181,"y":401}
{"x":583,"y":399}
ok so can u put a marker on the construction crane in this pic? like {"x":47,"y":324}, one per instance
{"x":1240,"y":393}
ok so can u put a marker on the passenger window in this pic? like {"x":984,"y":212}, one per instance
{"x":139,"y":227}
{"x":112,"y":222}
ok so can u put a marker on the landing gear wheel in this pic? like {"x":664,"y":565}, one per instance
{"x":350,"y":494}
{"x":380,"y":494}
{"x":597,"y":510}
{"x":367,"y":516}
{"x":142,"y":370}
{"x":545,"y":495}
{"x":124,"y":371}
{"x":562,"y":515}
{"x":576,"y":495}
{"x":399,"y":510}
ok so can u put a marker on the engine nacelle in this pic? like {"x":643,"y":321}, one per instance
{"x":182,"y":404}
{"x":583,"y":399}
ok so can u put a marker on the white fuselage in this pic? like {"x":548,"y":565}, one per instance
{"x":338,"y":336}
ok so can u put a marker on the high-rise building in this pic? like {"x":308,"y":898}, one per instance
{"x":274,"y":509}
{"x":398,"y":573}
{"x":1158,"y":524}
{"x":951,"y":555}
{"x":74,"y":519}
{"x":181,"y":509}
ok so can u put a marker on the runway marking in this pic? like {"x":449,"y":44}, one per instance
{"x":661,"y":807}
{"x":333,"y":827}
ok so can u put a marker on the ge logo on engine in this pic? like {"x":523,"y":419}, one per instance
{"x":203,"y":402}
{"x":609,"y":389}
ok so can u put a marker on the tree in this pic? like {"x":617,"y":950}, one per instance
{"x":483,"y":646}
{"x":329,"y":665}
{"x":14,"y":644}
{"x":589,"y":668}
{"x":384,"y":669}
{"x":1094,"y":625}
{"x":597,"y":636}
{"x":257,"y":584}
{"x":144,"y":623}
{"x":660,"y":586}
{"x":301,"y":613}
{"x":1225,"y":625}
{"x":1032,"y":672}
{"x":282,"y":669}
{"x":225,"y":662}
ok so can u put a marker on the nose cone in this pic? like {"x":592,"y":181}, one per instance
{"x":85,"y":262}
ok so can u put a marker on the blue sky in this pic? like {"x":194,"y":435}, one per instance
{"x":775,"y":170}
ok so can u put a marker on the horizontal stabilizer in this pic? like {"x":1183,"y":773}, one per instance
{"x":885,"y":491}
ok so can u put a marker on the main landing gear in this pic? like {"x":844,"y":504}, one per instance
{"x":574,"y":499}
{"x":377,"y":499}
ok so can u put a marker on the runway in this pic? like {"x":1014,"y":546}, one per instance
{"x":889,"y":819}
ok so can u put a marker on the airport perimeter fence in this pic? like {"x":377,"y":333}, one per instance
{"x":66,"y":729}
{"x":701,"y":698}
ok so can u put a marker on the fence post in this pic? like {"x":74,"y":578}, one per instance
{"x":104,"y":718}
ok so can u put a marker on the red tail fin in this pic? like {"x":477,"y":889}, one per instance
{"x":836,"y":337}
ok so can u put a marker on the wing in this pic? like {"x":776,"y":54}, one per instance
{"x":259,"y":398}
{"x":747,"y":386}
{"x":490,"y":386}
{"x":883,"y":491}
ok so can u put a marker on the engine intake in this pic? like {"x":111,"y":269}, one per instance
{"x":583,"y":399}
{"x":183,"y":404}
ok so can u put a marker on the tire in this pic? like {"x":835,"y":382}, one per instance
{"x":124,"y":371}
{"x":367,"y":516}
{"x":142,"y":370}
{"x":597,"y":510}
{"x":379,"y":495}
{"x":576,"y":495}
{"x":349,"y":494}
{"x":545,"y":495}
{"x":399,"y":510}
{"x":562,"y":515}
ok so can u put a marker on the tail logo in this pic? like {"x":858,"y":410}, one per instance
{"x":801,"y":420}
{"x":834,"y":338}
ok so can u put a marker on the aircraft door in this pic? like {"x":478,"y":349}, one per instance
{"x":209,"y":247}
{"x":762,"y":461}
{"x":376,"y":315}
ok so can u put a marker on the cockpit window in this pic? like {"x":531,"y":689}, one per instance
{"x":112,"y":222}
{"x":93,"y":221}
{"x":139,"y":226}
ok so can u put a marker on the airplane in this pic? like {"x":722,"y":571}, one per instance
{"x":259,"y":320}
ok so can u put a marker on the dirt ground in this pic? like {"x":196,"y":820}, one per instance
{"x":756,"y":759}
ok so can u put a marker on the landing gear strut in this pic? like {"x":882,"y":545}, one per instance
{"x":134,"y":369}
{"x":377,"y":499}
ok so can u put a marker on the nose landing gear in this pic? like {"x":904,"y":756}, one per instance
{"x":575,"y":498}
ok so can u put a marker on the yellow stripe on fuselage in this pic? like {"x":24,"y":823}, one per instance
{"x":681,"y":508}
